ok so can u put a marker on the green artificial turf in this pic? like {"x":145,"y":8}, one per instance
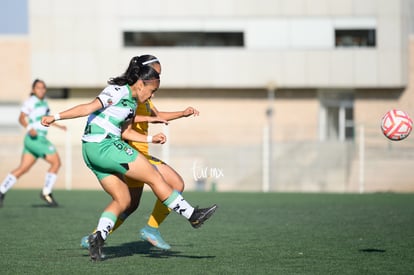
{"x":251,"y":233}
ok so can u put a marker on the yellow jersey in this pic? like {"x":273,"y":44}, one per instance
{"x":144,"y":109}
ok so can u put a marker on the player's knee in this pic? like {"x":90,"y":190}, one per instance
{"x":54,"y":163}
{"x":177,"y":184}
{"x":125,"y":202}
{"x":57,"y":164}
{"x":154,"y":179}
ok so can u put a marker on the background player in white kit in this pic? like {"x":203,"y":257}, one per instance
{"x":36,"y":145}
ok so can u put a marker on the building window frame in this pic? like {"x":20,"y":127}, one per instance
{"x":336,"y":116}
{"x":350,"y":37}
{"x":183,"y":39}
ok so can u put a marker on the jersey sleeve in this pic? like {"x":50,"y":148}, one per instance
{"x":109,"y":96}
{"x":27,"y":107}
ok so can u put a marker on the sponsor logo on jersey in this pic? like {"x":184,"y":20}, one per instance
{"x":107,"y":93}
{"x":129,"y":151}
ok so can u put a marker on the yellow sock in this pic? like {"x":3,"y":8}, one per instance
{"x":158,"y":215}
{"x":119,"y":221}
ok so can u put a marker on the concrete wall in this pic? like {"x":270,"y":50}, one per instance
{"x":15,"y":68}
{"x":82,"y":47}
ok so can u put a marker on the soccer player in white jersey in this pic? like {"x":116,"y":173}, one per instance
{"x":36,"y":145}
{"x":144,"y":114}
{"x":111,"y":158}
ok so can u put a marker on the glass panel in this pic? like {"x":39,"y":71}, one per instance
{"x":349,"y":114}
{"x":355,"y":38}
{"x":338,"y":121}
{"x":183,"y":39}
{"x":349,"y":123}
{"x":349,"y":132}
{"x":332,"y":126}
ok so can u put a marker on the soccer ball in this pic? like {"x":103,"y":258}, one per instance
{"x":396,"y":124}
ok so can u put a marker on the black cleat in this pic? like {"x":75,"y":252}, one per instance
{"x":49,"y":199}
{"x":200,"y":215}
{"x":96,"y":243}
{"x":2,"y":198}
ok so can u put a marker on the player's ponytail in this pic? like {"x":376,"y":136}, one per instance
{"x":140,"y":67}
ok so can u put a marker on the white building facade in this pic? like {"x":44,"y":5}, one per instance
{"x":308,"y":73}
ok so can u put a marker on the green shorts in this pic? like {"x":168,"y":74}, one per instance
{"x":38,"y":146}
{"x":108,"y":157}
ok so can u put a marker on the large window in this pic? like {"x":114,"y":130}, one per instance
{"x":183,"y":39}
{"x":355,"y":38}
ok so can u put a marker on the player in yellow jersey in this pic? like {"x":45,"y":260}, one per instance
{"x":147,"y":113}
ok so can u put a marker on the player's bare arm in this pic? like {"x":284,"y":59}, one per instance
{"x":80,"y":110}
{"x":23,"y":120}
{"x":175,"y":115}
{"x":130,"y":134}
{"x":149,"y":119}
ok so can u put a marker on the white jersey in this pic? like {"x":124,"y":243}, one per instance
{"x":35,"y":108}
{"x":118,"y":107}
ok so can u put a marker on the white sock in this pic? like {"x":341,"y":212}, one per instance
{"x":50,"y":180}
{"x":177,"y":203}
{"x":106,"y":223}
{"x":7,"y":183}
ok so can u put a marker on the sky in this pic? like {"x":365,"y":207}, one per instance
{"x":14,"y":17}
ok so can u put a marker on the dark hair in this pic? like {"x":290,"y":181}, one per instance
{"x":37,"y":80}
{"x":140,"y":67}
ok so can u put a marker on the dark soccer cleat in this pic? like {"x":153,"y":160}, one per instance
{"x":1,"y":199}
{"x":49,"y":199}
{"x":200,"y":215}
{"x":96,"y":243}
